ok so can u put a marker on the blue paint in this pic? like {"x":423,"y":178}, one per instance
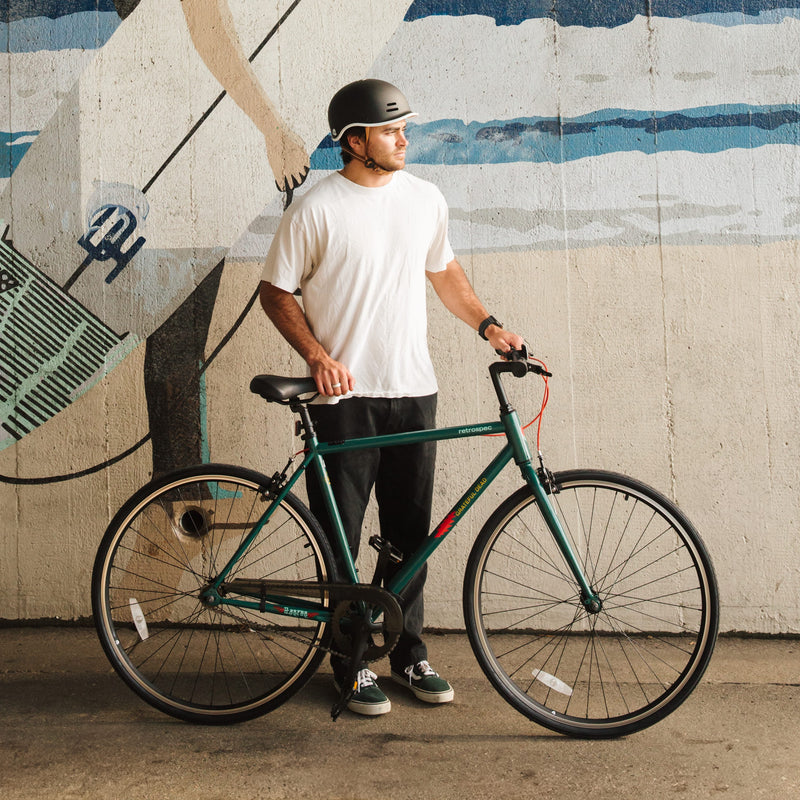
{"x":205,"y":449}
{"x":700,"y":130}
{"x":604,"y":13}
{"x":81,"y":31}
{"x":536,"y":139}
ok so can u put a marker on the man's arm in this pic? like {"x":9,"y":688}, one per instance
{"x":459,"y":298}
{"x":332,"y":378}
{"x":211,"y":27}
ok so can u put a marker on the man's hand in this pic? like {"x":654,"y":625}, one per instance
{"x":333,"y":379}
{"x":503,"y":340}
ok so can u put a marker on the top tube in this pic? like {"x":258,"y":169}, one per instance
{"x":412,"y":437}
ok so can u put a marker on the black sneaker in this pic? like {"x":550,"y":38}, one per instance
{"x":425,"y":683}
{"x":368,"y":699}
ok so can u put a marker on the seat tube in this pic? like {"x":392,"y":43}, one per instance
{"x":317,"y":463}
{"x":340,"y":545}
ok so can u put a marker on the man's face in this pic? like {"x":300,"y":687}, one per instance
{"x":387,"y":146}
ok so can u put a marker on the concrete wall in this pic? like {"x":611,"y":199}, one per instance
{"x":624,"y":189}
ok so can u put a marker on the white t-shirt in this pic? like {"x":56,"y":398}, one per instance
{"x":360,"y":255}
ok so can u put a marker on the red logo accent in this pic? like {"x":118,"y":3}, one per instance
{"x":446,"y":526}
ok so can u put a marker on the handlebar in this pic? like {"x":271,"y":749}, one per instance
{"x":518,"y":363}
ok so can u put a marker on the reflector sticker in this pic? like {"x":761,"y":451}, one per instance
{"x":138,"y":619}
{"x":554,"y":683}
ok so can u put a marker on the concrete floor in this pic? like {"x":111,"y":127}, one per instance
{"x":71,"y":729}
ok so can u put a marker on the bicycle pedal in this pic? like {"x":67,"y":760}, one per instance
{"x":380,"y":544}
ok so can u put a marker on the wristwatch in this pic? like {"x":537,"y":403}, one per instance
{"x":485,"y":324}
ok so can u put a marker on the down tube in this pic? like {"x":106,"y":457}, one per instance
{"x":438,"y":535}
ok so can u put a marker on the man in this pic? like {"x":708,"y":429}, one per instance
{"x":359,"y":245}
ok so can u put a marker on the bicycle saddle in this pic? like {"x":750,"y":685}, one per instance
{"x":276,"y":389}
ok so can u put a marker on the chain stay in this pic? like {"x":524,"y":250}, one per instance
{"x":341,"y":594}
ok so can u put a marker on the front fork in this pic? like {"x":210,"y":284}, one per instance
{"x":541,"y":485}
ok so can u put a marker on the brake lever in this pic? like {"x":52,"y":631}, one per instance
{"x":538,"y":369}
{"x":514,"y":355}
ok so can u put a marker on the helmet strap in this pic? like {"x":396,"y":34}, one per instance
{"x":368,"y":162}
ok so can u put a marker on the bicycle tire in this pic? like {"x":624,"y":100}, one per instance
{"x":592,"y":675}
{"x":201,"y":664}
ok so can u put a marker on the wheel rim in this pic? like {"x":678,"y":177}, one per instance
{"x":641,"y":653}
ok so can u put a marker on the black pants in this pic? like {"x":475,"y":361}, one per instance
{"x":403,"y":481}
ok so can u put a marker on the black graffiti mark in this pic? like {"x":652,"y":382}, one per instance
{"x":133,"y":448}
{"x":103,"y":242}
{"x":219,"y":99}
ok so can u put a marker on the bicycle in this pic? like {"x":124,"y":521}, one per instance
{"x":589,"y":599}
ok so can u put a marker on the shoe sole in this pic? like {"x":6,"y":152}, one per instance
{"x":370,"y":709}
{"x":421,"y":694}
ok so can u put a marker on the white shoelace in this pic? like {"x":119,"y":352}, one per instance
{"x":366,"y":678}
{"x":425,"y":670}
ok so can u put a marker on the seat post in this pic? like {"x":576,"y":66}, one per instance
{"x":305,"y":419}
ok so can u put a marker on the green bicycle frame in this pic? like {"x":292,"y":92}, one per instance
{"x":516,"y":448}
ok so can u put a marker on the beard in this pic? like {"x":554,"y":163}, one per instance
{"x":386,"y":165}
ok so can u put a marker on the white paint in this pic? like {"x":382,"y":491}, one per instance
{"x":480,"y":71}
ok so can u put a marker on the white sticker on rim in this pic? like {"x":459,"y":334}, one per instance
{"x":554,"y":683}
{"x":138,"y":619}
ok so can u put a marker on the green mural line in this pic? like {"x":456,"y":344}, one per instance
{"x":10,"y":479}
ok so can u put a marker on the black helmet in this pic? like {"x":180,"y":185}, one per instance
{"x":368,"y":103}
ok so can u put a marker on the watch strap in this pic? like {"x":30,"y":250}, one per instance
{"x":485,"y":324}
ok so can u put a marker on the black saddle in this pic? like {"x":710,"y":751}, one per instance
{"x":275,"y":389}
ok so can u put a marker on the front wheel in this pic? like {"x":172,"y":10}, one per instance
{"x":198,"y":662}
{"x":619,"y":669}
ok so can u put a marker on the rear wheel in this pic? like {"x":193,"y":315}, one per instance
{"x":587,"y":674}
{"x":199,"y":663}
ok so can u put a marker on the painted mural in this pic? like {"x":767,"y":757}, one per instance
{"x":152,"y":145}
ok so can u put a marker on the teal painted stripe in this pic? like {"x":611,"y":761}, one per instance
{"x":14,"y":146}
{"x":205,"y":449}
{"x":538,"y":139}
